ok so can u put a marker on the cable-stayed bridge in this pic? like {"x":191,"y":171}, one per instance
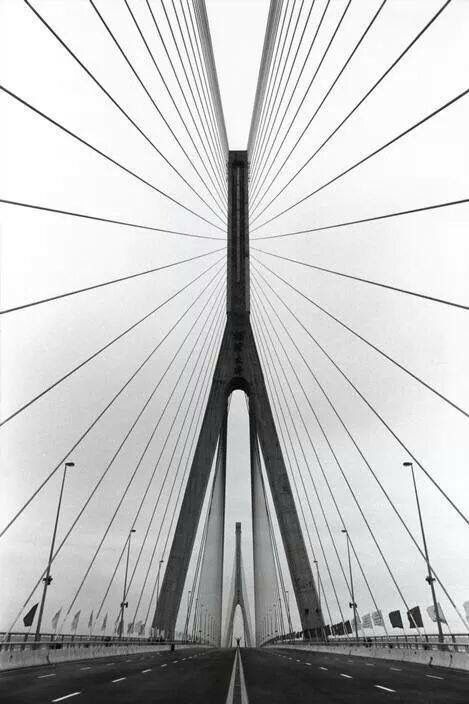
{"x":264,"y":443}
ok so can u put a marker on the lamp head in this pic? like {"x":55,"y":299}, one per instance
{"x":69,"y":464}
{"x":407,"y":464}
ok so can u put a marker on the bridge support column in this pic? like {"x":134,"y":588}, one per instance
{"x":238,"y":367}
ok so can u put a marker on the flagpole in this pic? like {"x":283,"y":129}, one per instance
{"x":353,"y":604}
{"x":125,"y":603}
{"x":48,"y":579}
{"x":429,"y":578}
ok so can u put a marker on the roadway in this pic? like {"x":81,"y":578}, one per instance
{"x":196,"y":676}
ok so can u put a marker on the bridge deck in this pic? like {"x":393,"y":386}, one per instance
{"x":204,"y":676}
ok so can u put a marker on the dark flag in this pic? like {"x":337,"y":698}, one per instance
{"x":348,"y":627}
{"x":29,"y":618}
{"x":340,"y":629}
{"x":415,"y":617}
{"x":396,"y":619}
{"x":327,"y":630}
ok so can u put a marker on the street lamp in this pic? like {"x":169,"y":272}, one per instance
{"x":352,"y":604}
{"x":48,"y":579}
{"x":124,"y":603}
{"x":429,"y":578}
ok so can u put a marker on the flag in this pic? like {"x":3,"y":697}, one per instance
{"x":90,"y":621}
{"x":433,"y":616}
{"x":130,"y":628}
{"x":415,"y":617}
{"x":396,"y":619}
{"x":29,"y":618}
{"x":366,"y":621}
{"x":327,"y":630}
{"x":466,"y":608}
{"x":55,"y":619}
{"x":76,"y":618}
{"x":103,"y":627}
{"x":141,"y":630}
{"x":348,"y":627}
{"x":117,"y":625}
{"x":377,"y":617}
{"x":358,"y":621}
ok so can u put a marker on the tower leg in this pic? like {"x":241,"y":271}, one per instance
{"x":183,"y":541}
{"x":284,"y":504}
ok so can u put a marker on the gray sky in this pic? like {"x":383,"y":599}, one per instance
{"x":43,"y":255}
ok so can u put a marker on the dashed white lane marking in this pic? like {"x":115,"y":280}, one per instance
{"x":435,"y":677}
{"x":144,"y":671}
{"x":323,"y":668}
{"x":396,"y":669}
{"x":386,"y":689}
{"x":298,"y":661}
{"x":308,"y":663}
{"x":85,"y":668}
{"x":349,"y":677}
{"x":165,"y":665}
{"x":66,"y":696}
{"x":175,"y":661}
{"x":119,"y":679}
{"x":40,"y":677}
{"x":370,"y":664}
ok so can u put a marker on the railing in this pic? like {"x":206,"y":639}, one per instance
{"x":27,"y":641}
{"x":456,"y":642}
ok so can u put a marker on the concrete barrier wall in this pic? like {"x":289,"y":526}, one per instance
{"x":436,"y":658}
{"x":13,"y":659}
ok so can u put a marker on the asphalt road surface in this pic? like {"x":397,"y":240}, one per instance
{"x":198,"y":676}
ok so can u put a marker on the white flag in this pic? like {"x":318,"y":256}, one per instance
{"x":90,"y":621}
{"x":55,"y":619}
{"x":366,"y":621}
{"x":431,"y":612}
{"x":466,"y":608}
{"x":103,"y":627}
{"x":377,"y":617}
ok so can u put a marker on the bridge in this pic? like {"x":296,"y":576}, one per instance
{"x":244,"y":480}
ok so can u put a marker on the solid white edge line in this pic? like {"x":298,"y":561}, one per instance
{"x":244,"y":691}
{"x":40,"y":677}
{"x":67,"y":696}
{"x":349,"y":677}
{"x":229,"y":696}
{"x":435,"y":677}
{"x":149,"y":670}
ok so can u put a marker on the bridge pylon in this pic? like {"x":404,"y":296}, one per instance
{"x":238,"y":367}
{"x":238,"y":598}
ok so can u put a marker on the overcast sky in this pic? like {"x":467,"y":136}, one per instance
{"x":45,"y":254}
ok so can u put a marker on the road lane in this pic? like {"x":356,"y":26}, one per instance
{"x":53,"y":682}
{"x":272,"y":676}
{"x":288,"y":676}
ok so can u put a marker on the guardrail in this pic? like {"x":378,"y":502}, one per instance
{"x":457,"y":642}
{"x":26,"y":641}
